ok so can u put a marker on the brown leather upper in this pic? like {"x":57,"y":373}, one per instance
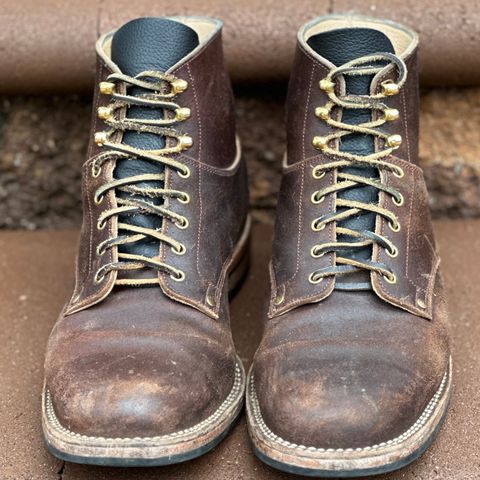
{"x":338,"y":368}
{"x":126,"y":362}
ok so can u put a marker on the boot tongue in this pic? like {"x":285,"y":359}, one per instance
{"x":147,"y":44}
{"x":151,"y":44}
{"x":339,"y":47}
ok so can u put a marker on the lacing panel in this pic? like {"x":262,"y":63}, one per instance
{"x":140,"y":198}
{"x":356,"y":239}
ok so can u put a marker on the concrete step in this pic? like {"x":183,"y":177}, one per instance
{"x":36,"y":274}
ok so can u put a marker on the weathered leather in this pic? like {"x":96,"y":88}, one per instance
{"x":130,"y":361}
{"x":349,"y":369}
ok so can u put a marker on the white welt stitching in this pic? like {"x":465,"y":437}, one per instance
{"x":427,"y":413}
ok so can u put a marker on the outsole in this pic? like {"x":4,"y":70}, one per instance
{"x":348,"y":463}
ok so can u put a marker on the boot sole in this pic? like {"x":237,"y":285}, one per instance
{"x":160,"y":450}
{"x":349,"y":462}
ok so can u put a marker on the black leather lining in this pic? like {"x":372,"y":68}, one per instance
{"x":339,"y":47}
{"x":147,"y":44}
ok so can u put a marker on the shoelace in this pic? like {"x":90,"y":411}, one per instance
{"x":367,"y":65}
{"x":138,"y":199}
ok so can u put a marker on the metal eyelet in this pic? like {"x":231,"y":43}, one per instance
{"x":314,"y":254}
{"x":313,"y":280}
{"x":316,"y":200}
{"x":279,"y":299}
{"x":101,"y":225}
{"x":394,"y":227}
{"x":179,"y":85}
{"x":185,"y":199}
{"x":392,"y":253}
{"x":315,"y":228}
{"x":390,"y":88}
{"x":400,"y":201}
{"x":182,"y":223}
{"x":98,"y":278}
{"x":96,"y":171}
{"x":184,"y":174}
{"x":179,"y":277}
{"x":327,"y":85}
{"x":210,"y":300}
{"x":106,"y":88}
{"x":180,"y":250}
{"x":398,"y":172}
{"x":317,"y":175}
{"x":100,"y":251}
{"x":390,"y":278}
{"x":98,"y":200}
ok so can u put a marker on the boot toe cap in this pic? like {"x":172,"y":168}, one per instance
{"x":341,"y":406}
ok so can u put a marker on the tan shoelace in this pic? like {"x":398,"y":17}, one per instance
{"x":154,"y":82}
{"x":351,"y":208}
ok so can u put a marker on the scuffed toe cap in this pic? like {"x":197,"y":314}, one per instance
{"x":335,"y":404}
{"x":134,"y":404}
{"x":124,"y":369}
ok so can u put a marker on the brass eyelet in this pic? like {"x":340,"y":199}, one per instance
{"x":210,"y":300}
{"x":323,"y":113}
{"x":101,"y":225}
{"x":390,"y":88}
{"x":391,"y":114}
{"x":394,"y":227}
{"x":179,"y":251}
{"x":104,"y":113}
{"x":399,"y":172}
{"x":317,"y":175}
{"x":421,"y":303}
{"x":392,"y":253}
{"x":279,"y":299}
{"x":182,"y":223}
{"x":184,"y":174}
{"x":315,"y":200}
{"x":179,"y":85}
{"x":185,"y":141}
{"x":96,"y":171}
{"x":106,"y":88}
{"x":98,"y":278}
{"x":315,"y":228}
{"x":390,"y":278}
{"x":394,"y":141}
{"x":179,"y":277}
{"x":320,"y":143}
{"x":327,"y":85}
{"x":400,"y":200}
{"x":98,"y":200}
{"x":100,"y":138}
{"x":100,"y":251}
{"x":182,"y":113}
{"x":185,"y":199}
{"x":313,"y":280}
{"x":314,"y":254}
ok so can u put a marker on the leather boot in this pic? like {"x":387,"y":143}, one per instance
{"x":140,"y":367}
{"x":353,"y":373}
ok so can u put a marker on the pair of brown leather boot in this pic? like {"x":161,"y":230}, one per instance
{"x":353,"y":373}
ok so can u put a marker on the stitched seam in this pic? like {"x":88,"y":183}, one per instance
{"x":405,"y":124}
{"x":305,"y":118}
{"x":200,"y":216}
{"x":424,"y":417}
